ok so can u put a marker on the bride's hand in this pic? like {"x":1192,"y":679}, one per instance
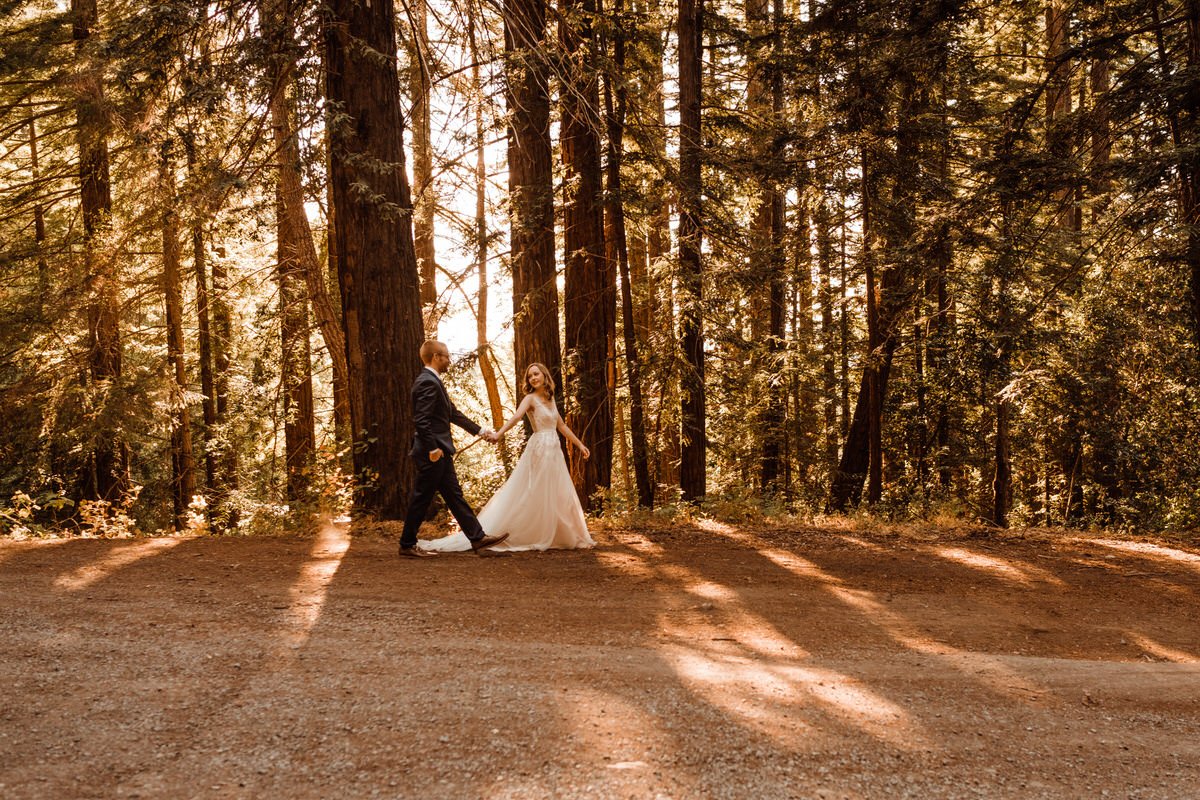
{"x":586,"y":453}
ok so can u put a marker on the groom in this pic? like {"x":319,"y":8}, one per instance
{"x":432,"y":452}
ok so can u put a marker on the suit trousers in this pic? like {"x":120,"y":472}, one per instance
{"x":437,"y":477}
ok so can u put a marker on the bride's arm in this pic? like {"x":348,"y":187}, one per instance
{"x":522,"y":407}
{"x":571,"y":437}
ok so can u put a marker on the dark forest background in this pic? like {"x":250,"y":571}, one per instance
{"x":933,"y":259}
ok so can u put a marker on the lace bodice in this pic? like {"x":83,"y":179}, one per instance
{"x":543,"y":416}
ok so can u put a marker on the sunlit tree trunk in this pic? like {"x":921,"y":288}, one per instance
{"x":616,"y":240}
{"x":483,"y":345}
{"x":297,"y":243}
{"x":377,"y":266}
{"x":203,"y":330}
{"x":106,"y":472}
{"x":764,"y":97}
{"x":183,"y":473}
{"x":39,"y":218}
{"x":664,"y":361}
{"x":424,"y":193}
{"x":829,"y":384}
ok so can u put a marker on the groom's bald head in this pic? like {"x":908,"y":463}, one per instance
{"x":432,"y":348}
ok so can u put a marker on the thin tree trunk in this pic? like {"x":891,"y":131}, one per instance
{"x":1002,"y":478}
{"x":1068,"y":219}
{"x":183,"y":487}
{"x":203,"y":335}
{"x":764,"y":96}
{"x":829,"y":385}
{"x":377,"y":265}
{"x":483,"y":347}
{"x":531,"y":190}
{"x":226,"y":514}
{"x":693,"y":468}
{"x":295,"y":373}
{"x":588,"y":298}
{"x":871,"y":369}
{"x":424,"y":193}
{"x":1190,"y":173}
{"x":39,"y":220}
{"x":665,"y":364}
{"x":279,"y":30}
{"x":616,"y":241}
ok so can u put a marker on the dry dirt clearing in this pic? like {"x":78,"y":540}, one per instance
{"x":709,"y":662}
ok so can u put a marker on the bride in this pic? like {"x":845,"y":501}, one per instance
{"x":537,"y":505}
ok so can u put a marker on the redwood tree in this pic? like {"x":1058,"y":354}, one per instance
{"x":589,"y":296}
{"x":377,"y":266}
{"x":693,"y":470}
{"x":531,"y":189}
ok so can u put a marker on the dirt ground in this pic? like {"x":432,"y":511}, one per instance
{"x":709,"y":662}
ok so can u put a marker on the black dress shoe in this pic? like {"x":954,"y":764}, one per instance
{"x":415,"y":552}
{"x":479,"y":545}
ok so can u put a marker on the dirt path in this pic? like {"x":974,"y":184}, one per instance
{"x":701,"y":663}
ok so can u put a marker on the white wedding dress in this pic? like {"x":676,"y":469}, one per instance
{"x":537,"y":506}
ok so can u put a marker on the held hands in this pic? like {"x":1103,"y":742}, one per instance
{"x":490,"y":436}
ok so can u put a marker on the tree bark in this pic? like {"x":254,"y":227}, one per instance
{"x":531,"y":190}
{"x":693,"y":467}
{"x":829,"y":384}
{"x":203,"y":333}
{"x":377,"y":266}
{"x":183,"y":484}
{"x":486,"y":368}
{"x":279,"y":29}
{"x":106,"y":472}
{"x":424,"y":192}
{"x":616,"y":239}
{"x":764,"y":99}
{"x":589,"y":296}
{"x":39,"y":219}
{"x":1002,"y":478}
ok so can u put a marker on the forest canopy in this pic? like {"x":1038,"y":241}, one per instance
{"x":916,"y":256}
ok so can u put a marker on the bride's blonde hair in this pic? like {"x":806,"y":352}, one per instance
{"x":546,"y":376}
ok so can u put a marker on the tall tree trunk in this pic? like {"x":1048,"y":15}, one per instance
{"x":1067,"y":220}
{"x":483,"y":345}
{"x":377,"y":266}
{"x":693,"y":467}
{"x":39,"y":219}
{"x":829,"y":385}
{"x":295,"y":369}
{"x":588,"y":297}
{"x":203,"y":333}
{"x":664,"y":364}
{"x":279,"y":25}
{"x":618,"y":252}
{"x":183,"y":487}
{"x":1002,"y":477}
{"x":764,"y":97}
{"x":1058,"y":105}
{"x":226,"y":514}
{"x":531,"y":190}
{"x":106,"y":472}
{"x":1190,"y":173}
{"x":424,"y":193}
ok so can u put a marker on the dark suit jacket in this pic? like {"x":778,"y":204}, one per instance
{"x":432,"y":414}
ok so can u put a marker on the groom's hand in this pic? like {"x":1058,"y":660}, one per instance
{"x":490,"y":436}
{"x":435,"y":455}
